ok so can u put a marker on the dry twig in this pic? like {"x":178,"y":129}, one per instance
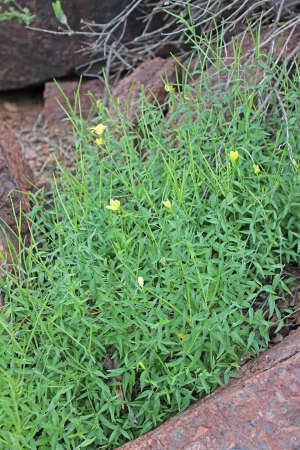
{"x":107,"y":44}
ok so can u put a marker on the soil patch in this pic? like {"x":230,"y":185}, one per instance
{"x":41,"y":143}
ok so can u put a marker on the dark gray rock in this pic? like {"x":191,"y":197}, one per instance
{"x":30,"y":57}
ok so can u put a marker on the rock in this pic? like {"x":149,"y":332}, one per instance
{"x":30,"y":57}
{"x":53,"y":113}
{"x":260,"y":410}
{"x":15,"y":179}
{"x":149,"y":76}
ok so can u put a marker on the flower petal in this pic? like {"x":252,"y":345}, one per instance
{"x":114,"y":205}
{"x":141,"y":282}
{"x":256,"y":169}
{"x":167,"y":204}
{"x":98,"y":129}
{"x":233,"y":155}
{"x":169,"y":88}
{"x":99,"y":140}
{"x":181,"y":335}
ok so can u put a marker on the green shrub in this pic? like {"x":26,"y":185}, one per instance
{"x":124,"y":316}
{"x":23,"y":15}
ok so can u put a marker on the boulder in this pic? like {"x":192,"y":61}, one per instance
{"x":29,"y":57}
{"x":53,"y":98}
{"x":150,"y":76}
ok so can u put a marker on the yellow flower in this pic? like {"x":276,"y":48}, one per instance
{"x":98,"y":129}
{"x":233,"y":156}
{"x":295,"y":164}
{"x":256,"y":169}
{"x":181,"y":335}
{"x":99,"y":140}
{"x":167,"y":204}
{"x":169,"y":88}
{"x":140,"y":363}
{"x":141,"y":282}
{"x":114,"y":205}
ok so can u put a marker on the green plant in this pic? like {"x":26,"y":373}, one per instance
{"x":59,"y":13}
{"x":23,"y":15}
{"x":138,"y":292}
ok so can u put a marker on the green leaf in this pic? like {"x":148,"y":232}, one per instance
{"x":60,"y":15}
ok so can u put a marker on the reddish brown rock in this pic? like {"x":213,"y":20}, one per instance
{"x":52,"y":111}
{"x":261,"y":410}
{"x":15,"y":179}
{"x":150,"y":76}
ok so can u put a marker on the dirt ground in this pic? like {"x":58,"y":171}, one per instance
{"x":41,"y":144}
{"x":20,"y":108}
